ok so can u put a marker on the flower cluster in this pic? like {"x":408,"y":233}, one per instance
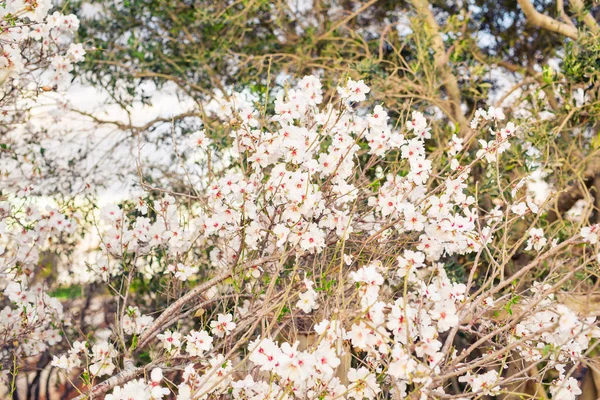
{"x":100,"y":360}
{"x":70,"y":361}
{"x":552,"y":330}
{"x":120,"y":236}
{"x":134,"y":322}
{"x":308,"y":299}
{"x":29,"y":33}
{"x":197,"y":343}
{"x":26,"y":233}
{"x":139,"y":389}
{"x":298,"y":216}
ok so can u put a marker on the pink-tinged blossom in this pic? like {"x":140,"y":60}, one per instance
{"x":223,"y":325}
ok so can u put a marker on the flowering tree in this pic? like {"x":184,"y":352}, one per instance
{"x":315,"y":257}
{"x":319,"y":247}
{"x":36,"y":56}
{"x":536,"y":60}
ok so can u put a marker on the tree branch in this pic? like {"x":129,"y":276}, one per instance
{"x":441,"y":63}
{"x":545,"y":22}
{"x":122,"y":377}
{"x":190,"y":296}
{"x":586,"y":17}
{"x":170,"y":311}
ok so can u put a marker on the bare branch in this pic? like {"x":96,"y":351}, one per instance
{"x":545,"y":22}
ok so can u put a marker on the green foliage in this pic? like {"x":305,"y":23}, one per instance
{"x":582,"y":61}
{"x":67,"y":292}
{"x":512,"y":302}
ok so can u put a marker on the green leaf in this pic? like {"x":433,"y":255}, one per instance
{"x":134,"y":342}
